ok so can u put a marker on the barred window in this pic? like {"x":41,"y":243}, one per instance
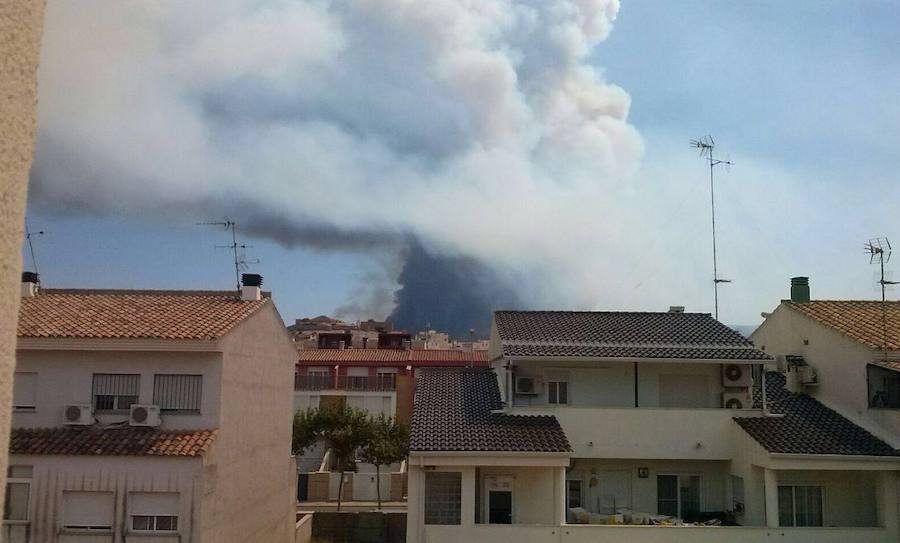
{"x":177,"y":392}
{"x":153,"y":511}
{"x":115,"y":391}
{"x":443,"y":494}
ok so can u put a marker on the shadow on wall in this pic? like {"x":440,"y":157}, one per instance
{"x":358,"y":527}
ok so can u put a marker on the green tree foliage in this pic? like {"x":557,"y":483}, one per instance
{"x":388,"y":443}
{"x":343,"y":430}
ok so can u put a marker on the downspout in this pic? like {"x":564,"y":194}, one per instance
{"x":636,"y":403}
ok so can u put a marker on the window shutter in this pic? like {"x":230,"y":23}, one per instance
{"x":24,"y":390}
{"x":153,"y":503}
{"x":178,"y":392}
{"x":113,"y":384}
{"x":88,"y":509}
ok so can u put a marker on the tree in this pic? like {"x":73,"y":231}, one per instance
{"x":388,"y":443}
{"x":343,"y":429}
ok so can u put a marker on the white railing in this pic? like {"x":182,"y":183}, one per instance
{"x":647,"y":433}
{"x":651,"y":534}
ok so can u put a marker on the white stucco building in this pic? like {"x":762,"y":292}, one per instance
{"x":146,"y":416}
{"x":615,"y":426}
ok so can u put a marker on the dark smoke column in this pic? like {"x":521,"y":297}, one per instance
{"x":452,"y":294}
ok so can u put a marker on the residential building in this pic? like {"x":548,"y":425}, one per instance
{"x":151,"y":416}
{"x":648,"y":419}
{"x":377,"y":380}
{"x":845,"y":353}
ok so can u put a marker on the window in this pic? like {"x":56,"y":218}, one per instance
{"x":800,"y":505}
{"x":443,"y":494}
{"x":573,"y":493}
{"x":678,"y":495}
{"x":177,"y":392}
{"x":18,"y":493}
{"x":357,"y":378}
{"x":88,"y":511}
{"x":115,"y":391}
{"x":387,"y":378}
{"x":318,"y":378}
{"x":25,"y":391}
{"x":153,"y":511}
{"x":684,"y":390}
{"x":557,"y":392}
{"x":884,"y":387}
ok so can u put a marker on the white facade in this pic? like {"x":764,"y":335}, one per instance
{"x":241,"y":489}
{"x":648,"y":438}
{"x":840,"y":364}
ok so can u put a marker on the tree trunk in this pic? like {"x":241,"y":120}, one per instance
{"x":378,"y":484}
{"x":340,"y":489}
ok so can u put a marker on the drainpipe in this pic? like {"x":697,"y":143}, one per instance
{"x":636,"y":404}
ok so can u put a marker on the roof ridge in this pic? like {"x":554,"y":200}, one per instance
{"x":602,"y":311}
{"x":143,"y":292}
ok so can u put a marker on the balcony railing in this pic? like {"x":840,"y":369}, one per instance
{"x":380,"y":382}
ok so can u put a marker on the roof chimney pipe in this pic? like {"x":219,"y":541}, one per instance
{"x":676,"y":309}
{"x":800,"y":290}
{"x":251,"y":291}
{"x":30,"y":284}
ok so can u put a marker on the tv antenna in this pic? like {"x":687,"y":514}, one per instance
{"x":28,"y":235}
{"x":707,"y":145}
{"x":240,"y":260}
{"x":880,"y":249}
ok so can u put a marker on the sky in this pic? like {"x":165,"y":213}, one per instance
{"x":546,"y":141}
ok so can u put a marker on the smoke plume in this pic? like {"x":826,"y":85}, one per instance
{"x":477,"y":129}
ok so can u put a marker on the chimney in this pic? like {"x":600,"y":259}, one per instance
{"x":676,"y":309}
{"x":800,"y":290}
{"x":251,"y":290}
{"x":30,"y":283}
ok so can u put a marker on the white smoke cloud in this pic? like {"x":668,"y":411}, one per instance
{"x":479,"y":128}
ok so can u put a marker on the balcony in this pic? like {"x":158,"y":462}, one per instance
{"x":364,"y":383}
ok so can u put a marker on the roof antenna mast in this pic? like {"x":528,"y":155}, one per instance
{"x":28,"y":235}
{"x":240,"y":260}
{"x":707,"y":145}
{"x":880,"y":249}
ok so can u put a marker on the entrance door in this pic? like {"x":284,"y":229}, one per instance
{"x":500,"y":506}
{"x":498,"y":499}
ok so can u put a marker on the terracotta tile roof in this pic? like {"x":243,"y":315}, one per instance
{"x":125,"y":441}
{"x":132,"y":314}
{"x":399,"y":357}
{"x":452,"y":412}
{"x":620,"y":334}
{"x":808,"y":426}
{"x":858,"y":319}
{"x":888,"y":364}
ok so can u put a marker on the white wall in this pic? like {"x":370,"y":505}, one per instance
{"x":66,"y":377}
{"x":534,"y":491}
{"x":655,"y":433}
{"x":52,"y":475}
{"x":848,"y":496}
{"x":254,"y":495}
{"x":839,"y":361}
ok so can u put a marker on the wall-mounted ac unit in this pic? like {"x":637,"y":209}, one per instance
{"x":526,"y":385}
{"x":78,"y":415}
{"x":807,"y":375}
{"x":736,"y":376}
{"x":144,"y":415}
{"x":736,"y":400}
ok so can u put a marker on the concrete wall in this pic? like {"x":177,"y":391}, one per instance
{"x":52,"y":475}
{"x":652,"y":433}
{"x":254,"y":495}
{"x":21,"y":25}
{"x":650,"y":534}
{"x":66,"y":377}
{"x":840,"y":363}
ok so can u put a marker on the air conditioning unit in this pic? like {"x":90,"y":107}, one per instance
{"x":807,"y":375}
{"x":78,"y":415}
{"x":736,"y":400}
{"x":526,"y":385}
{"x":144,"y":415}
{"x":736,"y":376}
